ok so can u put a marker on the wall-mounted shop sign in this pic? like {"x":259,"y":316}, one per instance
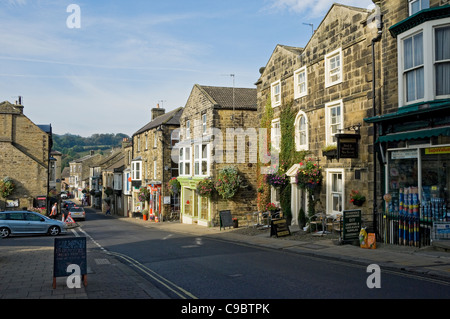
{"x":402,"y":154}
{"x":348,"y":145}
{"x":437,"y":150}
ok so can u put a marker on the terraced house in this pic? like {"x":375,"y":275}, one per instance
{"x":412,"y":121}
{"x":218,"y":131}
{"x":151,"y":163}
{"x":310,"y":99}
{"x":25,"y":158}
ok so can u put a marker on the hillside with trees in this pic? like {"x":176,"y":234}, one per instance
{"x":73,"y":147}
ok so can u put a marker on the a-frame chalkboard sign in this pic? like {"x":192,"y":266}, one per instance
{"x":225,"y":219}
{"x":69,"y":251}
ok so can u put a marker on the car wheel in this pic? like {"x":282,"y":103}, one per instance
{"x":4,"y":232}
{"x":54,"y":230}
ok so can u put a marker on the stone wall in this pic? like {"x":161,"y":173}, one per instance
{"x":343,"y":28}
{"x":24,"y":150}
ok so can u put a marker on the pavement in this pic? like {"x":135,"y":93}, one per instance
{"x":27,"y":272}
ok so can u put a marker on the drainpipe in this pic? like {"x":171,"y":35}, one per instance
{"x":375,"y":206}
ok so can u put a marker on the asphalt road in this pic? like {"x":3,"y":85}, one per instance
{"x":207,"y":268}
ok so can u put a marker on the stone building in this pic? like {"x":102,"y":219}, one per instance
{"x":412,"y":121}
{"x":151,"y":165}
{"x":218,"y":129}
{"x":80,"y":172}
{"x":327,"y":88}
{"x":24,"y":157}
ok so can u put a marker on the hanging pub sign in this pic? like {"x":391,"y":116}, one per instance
{"x":348,"y":145}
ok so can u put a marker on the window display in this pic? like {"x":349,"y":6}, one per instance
{"x":417,"y":184}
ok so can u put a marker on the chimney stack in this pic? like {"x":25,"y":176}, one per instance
{"x":157,"y":111}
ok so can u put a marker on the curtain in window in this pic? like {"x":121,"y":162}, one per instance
{"x":413,"y":66}
{"x":442,"y":58}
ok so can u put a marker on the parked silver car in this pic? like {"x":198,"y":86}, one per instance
{"x":26,"y":222}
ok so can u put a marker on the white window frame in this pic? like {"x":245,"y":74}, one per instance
{"x":300,"y":87}
{"x":423,"y":4}
{"x":185,"y":161}
{"x":136,"y":170}
{"x":275,"y":90}
{"x":188,"y":129}
{"x":201,"y":158}
{"x":174,"y":137}
{"x":204,"y":118}
{"x":155,"y":170}
{"x":298,"y":145}
{"x":428,"y":31}
{"x":275,"y":135}
{"x":329,"y":135}
{"x":329,"y":68}
{"x":333,"y":193}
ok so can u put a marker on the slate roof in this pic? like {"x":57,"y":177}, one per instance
{"x":170,"y":118}
{"x":222,"y":97}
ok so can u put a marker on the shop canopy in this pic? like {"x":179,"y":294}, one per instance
{"x":411,"y":135}
{"x":416,"y":109}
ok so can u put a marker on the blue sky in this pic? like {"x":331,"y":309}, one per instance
{"x":127,"y":56}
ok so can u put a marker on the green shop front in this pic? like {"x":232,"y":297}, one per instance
{"x":414,"y":152}
{"x":194,"y":208}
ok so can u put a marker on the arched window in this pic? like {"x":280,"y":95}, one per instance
{"x":301,"y":132}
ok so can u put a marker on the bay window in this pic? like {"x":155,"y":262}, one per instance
{"x":201,"y":159}
{"x":424,"y":62}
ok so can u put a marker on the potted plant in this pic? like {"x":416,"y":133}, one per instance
{"x":356,"y":198}
{"x":205,"y":188}
{"x":330,"y":151}
{"x":271,"y":207}
{"x":145,"y":214}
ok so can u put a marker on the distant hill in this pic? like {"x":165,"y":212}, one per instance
{"x":75,"y":146}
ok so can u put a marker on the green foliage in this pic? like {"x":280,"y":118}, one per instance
{"x":228,"y":182}
{"x":205,"y":188}
{"x":263,"y":196}
{"x":6,"y":187}
{"x":74,"y":146}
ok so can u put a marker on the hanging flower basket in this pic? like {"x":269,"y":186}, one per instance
{"x":174,"y":186}
{"x":6,"y":187}
{"x":276,"y":180}
{"x":309,"y":175}
{"x":144,"y":194}
{"x":228,"y":182}
{"x":356,"y":198}
{"x":205,"y":188}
